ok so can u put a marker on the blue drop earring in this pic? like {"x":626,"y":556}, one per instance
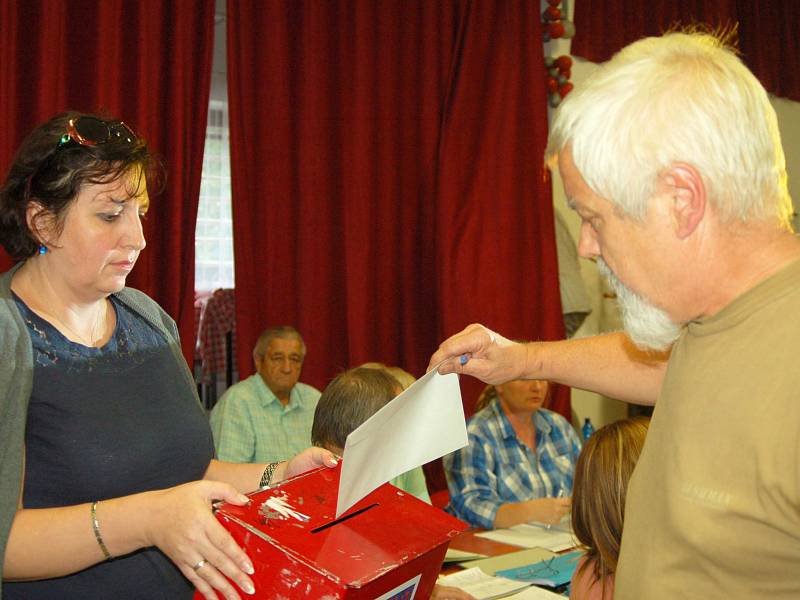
{"x":42,"y":249}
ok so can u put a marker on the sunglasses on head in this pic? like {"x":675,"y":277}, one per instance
{"x":86,"y":131}
{"x":91,"y":131}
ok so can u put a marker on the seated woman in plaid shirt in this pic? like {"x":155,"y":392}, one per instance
{"x":519,"y":463}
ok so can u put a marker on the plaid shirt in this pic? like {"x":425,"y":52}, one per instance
{"x":251,"y":425}
{"x":495,"y":468}
{"x":217,"y":318}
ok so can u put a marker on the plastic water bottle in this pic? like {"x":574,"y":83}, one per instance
{"x":588,"y":428}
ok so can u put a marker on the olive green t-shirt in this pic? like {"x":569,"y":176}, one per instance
{"x":713,"y":507}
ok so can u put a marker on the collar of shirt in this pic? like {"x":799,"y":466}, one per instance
{"x":269,"y":397}
{"x":540,"y":422}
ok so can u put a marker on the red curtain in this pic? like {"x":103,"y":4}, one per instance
{"x":768,"y":38}
{"x":388,"y":181}
{"x":147,"y":62}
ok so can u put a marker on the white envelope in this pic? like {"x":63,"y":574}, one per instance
{"x":423,"y":423}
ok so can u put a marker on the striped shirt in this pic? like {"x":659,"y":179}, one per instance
{"x":251,"y":425}
{"x":495,"y":468}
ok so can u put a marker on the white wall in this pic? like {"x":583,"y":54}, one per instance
{"x":604,"y":316}
{"x":789,"y":123}
{"x":219,"y":84}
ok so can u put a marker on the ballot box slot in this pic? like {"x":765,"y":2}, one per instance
{"x":344,"y":518}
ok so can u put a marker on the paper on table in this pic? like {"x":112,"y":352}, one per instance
{"x":452,"y":555}
{"x":479,"y":584}
{"x":535,"y":593}
{"x":423,"y":423}
{"x":532,"y":536}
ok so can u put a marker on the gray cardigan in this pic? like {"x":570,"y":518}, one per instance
{"x":16,"y":381}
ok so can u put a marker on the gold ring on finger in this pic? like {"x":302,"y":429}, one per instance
{"x":199,"y":565}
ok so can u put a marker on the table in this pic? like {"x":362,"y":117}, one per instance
{"x":468,"y":541}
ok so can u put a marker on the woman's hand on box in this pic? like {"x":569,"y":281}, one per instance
{"x":179,"y":521}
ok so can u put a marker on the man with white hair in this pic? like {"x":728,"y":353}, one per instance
{"x":671,"y":156}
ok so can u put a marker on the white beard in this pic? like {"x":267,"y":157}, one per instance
{"x":648,"y":326}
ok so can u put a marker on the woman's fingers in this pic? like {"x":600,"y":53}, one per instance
{"x":220,"y":568}
{"x":310,"y":458}
{"x":211,"y":577}
{"x":185,"y":529}
{"x":207,"y":580}
{"x":229,"y":559}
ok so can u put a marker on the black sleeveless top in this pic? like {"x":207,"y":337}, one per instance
{"x":108,"y":422}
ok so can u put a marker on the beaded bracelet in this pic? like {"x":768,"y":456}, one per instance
{"x":266,"y":477}
{"x":96,"y":529}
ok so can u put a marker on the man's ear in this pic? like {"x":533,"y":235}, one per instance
{"x":688,"y":193}
{"x":40,"y":222}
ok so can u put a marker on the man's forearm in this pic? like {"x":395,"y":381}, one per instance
{"x":608,"y":364}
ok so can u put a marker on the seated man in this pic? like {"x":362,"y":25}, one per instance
{"x":349,"y":400}
{"x":267,"y":417}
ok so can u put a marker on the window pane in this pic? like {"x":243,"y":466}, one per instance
{"x":214,"y":231}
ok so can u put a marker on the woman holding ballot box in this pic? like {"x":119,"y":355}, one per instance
{"x":107,"y":474}
{"x":519,"y":462}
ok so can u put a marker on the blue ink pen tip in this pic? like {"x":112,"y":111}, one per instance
{"x":463,"y":359}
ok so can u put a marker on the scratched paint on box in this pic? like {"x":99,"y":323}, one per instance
{"x":279,"y":507}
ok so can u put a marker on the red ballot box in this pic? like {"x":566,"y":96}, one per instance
{"x":388,"y":546}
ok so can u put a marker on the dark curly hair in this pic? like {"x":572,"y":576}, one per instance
{"x":52,"y":174}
